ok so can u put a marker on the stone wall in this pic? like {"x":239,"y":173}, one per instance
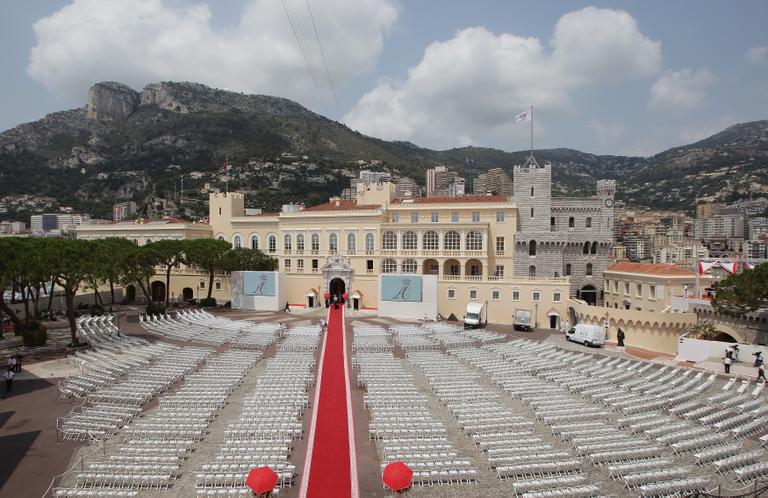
{"x":659,"y":332}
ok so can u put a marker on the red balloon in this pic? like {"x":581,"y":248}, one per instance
{"x":345,"y":296}
{"x":327,"y":295}
{"x":397,"y":476}
{"x":261,"y":479}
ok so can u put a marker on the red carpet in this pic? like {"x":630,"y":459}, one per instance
{"x":328,"y":469}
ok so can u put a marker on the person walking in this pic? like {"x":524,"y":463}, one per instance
{"x":761,"y":372}
{"x":8,"y":376}
{"x":727,"y":363}
{"x":620,"y":338}
{"x":18,"y":363}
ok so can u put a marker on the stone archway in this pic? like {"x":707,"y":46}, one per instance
{"x":430,"y":267}
{"x":588,"y":294}
{"x":337,"y":288}
{"x":130,"y":293}
{"x":473,"y":268}
{"x":451,"y":268}
{"x":157,"y":291}
{"x":187,"y":294}
{"x":337,"y":267}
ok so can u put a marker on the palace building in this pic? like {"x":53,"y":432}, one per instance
{"x":528,"y":251}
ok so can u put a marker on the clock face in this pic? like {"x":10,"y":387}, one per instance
{"x":609,"y":203}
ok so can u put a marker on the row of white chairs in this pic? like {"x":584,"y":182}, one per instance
{"x":270,"y":419}
{"x":402,"y":423}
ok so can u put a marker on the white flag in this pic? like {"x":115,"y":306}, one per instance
{"x":523,"y":116}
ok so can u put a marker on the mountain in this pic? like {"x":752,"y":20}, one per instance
{"x":141,"y":146}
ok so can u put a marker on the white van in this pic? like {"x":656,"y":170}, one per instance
{"x":474,"y":317}
{"x":589,"y":335}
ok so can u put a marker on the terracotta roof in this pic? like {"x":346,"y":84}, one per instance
{"x":152,"y":221}
{"x":343,"y":205}
{"x":650,"y":269}
{"x":452,"y":200}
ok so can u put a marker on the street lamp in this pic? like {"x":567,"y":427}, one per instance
{"x":606,"y":324}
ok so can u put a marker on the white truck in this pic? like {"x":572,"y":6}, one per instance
{"x":589,"y":335}
{"x":522,"y":320}
{"x":476,"y":317}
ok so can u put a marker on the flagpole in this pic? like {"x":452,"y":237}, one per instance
{"x":226,"y":173}
{"x":531,"y":132}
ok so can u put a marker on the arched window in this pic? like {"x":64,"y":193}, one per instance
{"x":571,"y":222}
{"x":369,"y":243}
{"x":315,"y":241}
{"x":588,"y":222}
{"x":410,"y":241}
{"x":594,"y":248}
{"x":287,"y":242}
{"x":149,"y":241}
{"x":272,"y":244}
{"x":585,"y":249}
{"x":452,"y":241}
{"x":333,"y":243}
{"x":532,"y":271}
{"x":237,"y":242}
{"x":531,"y":191}
{"x":254,"y":241}
{"x":589,"y":269}
{"x":474,"y":241}
{"x":410,"y":266}
{"x":567,"y":269}
{"x":300,"y":242}
{"x":430,"y":241}
{"x":532,"y":248}
{"x":389,"y":240}
{"x":531,"y":212}
{"x":351,"y":243}
{"x":389,"y":265}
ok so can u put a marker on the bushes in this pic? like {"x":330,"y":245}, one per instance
{"x":33,"y":334}
{"x":209,"y":302}
{"x":155,"y":309}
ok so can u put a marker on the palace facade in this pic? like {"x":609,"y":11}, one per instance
{"x":527,"y":251}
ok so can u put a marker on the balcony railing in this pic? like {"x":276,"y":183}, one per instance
{"x":446,"y":253}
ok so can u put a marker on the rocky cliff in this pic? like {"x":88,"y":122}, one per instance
{"x":125,"y":144}
{"x":111,"y":100}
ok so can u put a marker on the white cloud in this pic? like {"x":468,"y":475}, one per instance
{"x":606,"y":133}
{"x":757,"y":55}
{"x":138,"y":42}
{"x":474,"y":83}
{"x":604,"y":44}
{"x":681,"y":90}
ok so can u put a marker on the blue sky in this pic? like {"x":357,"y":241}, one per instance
{"x":607,"y":77}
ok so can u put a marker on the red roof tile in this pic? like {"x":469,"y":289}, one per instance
{"x":650,"y":269}
{"x":342,"y":205}
{"x":447,"y":199}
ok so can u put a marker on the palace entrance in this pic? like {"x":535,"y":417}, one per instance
{"x":337,"y":274}
{"x":337,"y":288}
